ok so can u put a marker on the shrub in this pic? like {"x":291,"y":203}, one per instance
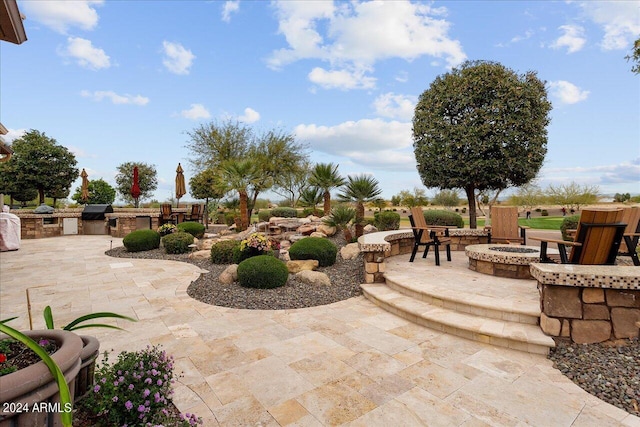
{"x":264,"y":215}
{"x":230,"y":218}
{"x":167,"y":228}
{"x":316,"y":248}
{"x":312,"y":211}
{"x":255,"y":244}
{"x":569,"y":223}
{"x":177,"y":243}
{"x":284,"y":212}
{"x":194,"y":228}
{"x":386,"y":220}
{"x":544,"y":212}
{"x":439,"y":217}
{"x":141,"y":240}
{"x":135,"y":390}
{"x":263,"y":272}
{"x":222,"y":252}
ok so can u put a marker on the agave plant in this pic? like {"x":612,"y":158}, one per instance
{"x":340,"y":217}
{"x":48,"y":319}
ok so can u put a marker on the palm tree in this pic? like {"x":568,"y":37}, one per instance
{"x":326,"y":177}
{"x":360,"y":189}
{"x":240,"y":175}
{"x":310,"y":197}
{"x":340,"y":218}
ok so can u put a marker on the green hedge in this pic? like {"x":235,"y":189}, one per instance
{"x":194,"y":228}
{"x":223,"y":251}
{"x":141,"y":240}
{"x":386,"y":220}
{"x":439,"y":217}
{"x":264,"y":215}
{"x":284,"y":212}
{"x":263,"y":272}
{"x":569,"y":223}
{"x":177,"y":243}
{"x":317,"y":248}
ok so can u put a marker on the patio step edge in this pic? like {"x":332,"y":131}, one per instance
{"x":513,"y":335}
{"x":494,"y":308}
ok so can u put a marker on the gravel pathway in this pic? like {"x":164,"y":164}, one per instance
{"x":609,"y":371}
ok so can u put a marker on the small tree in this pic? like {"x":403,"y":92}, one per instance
{"x":446,"y":198}
{"x":360,"y":189}
{"x":147,"y":180}
{"x":481,"y":126}
{"x":572,"y":195}
{"x":527,"y":196}
{"x":100,"y":192}
{"x":340,"y":217}
{"x":240,"y":175}
{"x":207,"y":185}
{"x":326,"y":177}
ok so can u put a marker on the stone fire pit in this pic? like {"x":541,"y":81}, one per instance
{"x":503,"y":260}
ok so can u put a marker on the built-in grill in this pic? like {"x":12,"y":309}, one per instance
{"x":96,"y":212}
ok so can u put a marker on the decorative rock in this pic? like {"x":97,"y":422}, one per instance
{"x":318,"y":234}
{"x":306,"y":229}
{"x":43,"y":209}
{"x":315,"y":278}
{"x":550,"y":326}
{"x":229,"y":275}
{"x":294,"y":238}
{"x":206,"y":244}
{"x":301,"y":265}
{"x":314,"y":218}
{"x":304,"y":221}
{"x":350,"y":251}
{"x":285,"y":244}
{"x":326,"y":229}
{"x":369,"y":229}
{"x":559,"y":301}
{"x":205,"y":254}
{"x":624,"y":322}
{"x":590,"y":331}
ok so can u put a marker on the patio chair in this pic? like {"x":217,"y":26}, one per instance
{"x":195,"y":214}
{"x":427,"y":236}
{"x":597,"y":239}
{"x":166,"y":214}
{"x":504,"y":226}
{"x":629,"y":245}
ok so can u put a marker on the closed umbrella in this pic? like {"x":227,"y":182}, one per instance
{"x":85,"y":185}
{"x":135,"y":188}
{"x":181,"y":188}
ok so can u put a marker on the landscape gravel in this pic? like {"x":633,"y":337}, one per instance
{"x":608,"y":371}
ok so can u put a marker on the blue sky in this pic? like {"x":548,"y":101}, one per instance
{"x":118,"y":81}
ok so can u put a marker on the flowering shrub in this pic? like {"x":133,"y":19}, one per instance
{"x":135,"y":390}
{"x":254,"y":245}
{"x":167,"y":228}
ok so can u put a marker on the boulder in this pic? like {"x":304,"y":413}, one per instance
{"x":295,"y":237}
{"x":302,"y":265}
{"x":306,"y":229}
{"x":350,"y":251}
{"x":206,"y":244}
{"x":315,"y":278}
{"x":326,"y":229}
{"x":205,"y":254}
{"x":304,"y":221}
{"x":229,"y":275}
{"x":318,"y":234}
{"x":369,"y":229}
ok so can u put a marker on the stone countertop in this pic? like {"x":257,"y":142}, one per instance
{"x":379,"y":241}
{"x":591,"y":276}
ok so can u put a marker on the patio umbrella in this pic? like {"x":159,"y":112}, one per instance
{"x":135,"y":188}
{"x":85,"y":185}
{"x":181,"y":188}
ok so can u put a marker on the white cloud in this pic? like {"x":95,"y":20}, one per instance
{"x":620,"y":173}
{"x":196,"y":112}
{"x":341,"y":79}
{"x":620,"y":21}
{"x":572,"y":38}
{"x":379,"y":143}
{"x":229,"y":8}
{"x":12,"y":135}
{"x":250,"y":116}
{"x":395,"y":106}
{"x":177,"y":59}
{"x":342,"y":35}
{"x":62,"y":15}
{"x":567,"y":93}
{"x":527,"y":35}
{"x":85,"y":54}
{"x":99,"y":95}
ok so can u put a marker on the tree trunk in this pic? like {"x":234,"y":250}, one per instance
{"x":327,"y":203}
{"x":471,"y":199}
{"x":347,"y":234}
{"x":359,"y":219}
{"x":41,"y":194}
{"x":244,"y":219}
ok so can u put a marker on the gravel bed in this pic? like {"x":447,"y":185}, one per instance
{"x":610,"y":371}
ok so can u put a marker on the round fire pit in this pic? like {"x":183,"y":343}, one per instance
{"x":502,"y":260}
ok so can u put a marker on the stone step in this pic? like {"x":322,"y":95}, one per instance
{"x":441,"y":295}
{"x":514,"y":335}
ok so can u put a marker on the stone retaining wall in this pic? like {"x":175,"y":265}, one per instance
{"x":589,"y":304}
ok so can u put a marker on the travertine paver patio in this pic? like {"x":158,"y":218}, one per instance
{"x":346,"y":363}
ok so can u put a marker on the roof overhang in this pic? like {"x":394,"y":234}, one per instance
{"x":5,"y":150}
{"x":11,"y":28}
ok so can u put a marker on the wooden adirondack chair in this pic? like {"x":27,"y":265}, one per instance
{"x":166,"y":214}
{"x":427,"y":236}
{"x":597,"y":239}
{"x":629,"y":245}
{"x":504,"y":226}
{"x":196,"y":213}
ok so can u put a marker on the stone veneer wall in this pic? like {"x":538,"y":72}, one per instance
{"x":589,"y":304}
{"x":378,"y":246}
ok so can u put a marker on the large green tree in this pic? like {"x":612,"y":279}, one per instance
{"x":100,"y":193}
{"x":326,"y":177}
{"x":481,"y":126}
{"x":206,"y":185}
{"x":147,"y":180}
{"x":360,"y":189}
{"x":39,"y":162}
{"x":241,"y":175}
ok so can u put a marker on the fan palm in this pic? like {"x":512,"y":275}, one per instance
{"x":239,"y":176}
{"x":326,"y":177}
{"x":310,"y":197}
{"x":360,"y":189}
{"x":340,"y":217}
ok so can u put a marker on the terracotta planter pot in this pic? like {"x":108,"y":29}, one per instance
{"x":30,"y":396}
{"x":85,"y":378}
